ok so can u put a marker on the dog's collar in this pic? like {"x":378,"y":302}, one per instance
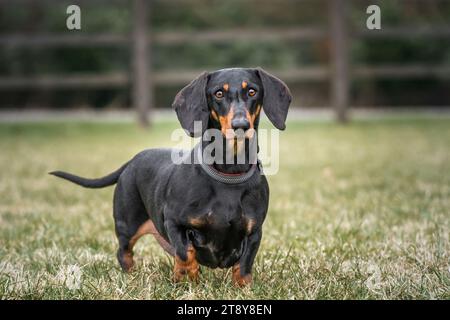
{"x":228,"y":178}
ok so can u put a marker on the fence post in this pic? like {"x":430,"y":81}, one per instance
{"x":340,"y":58}
{"x":142,"y":91}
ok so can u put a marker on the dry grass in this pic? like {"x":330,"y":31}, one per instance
{"x":356,"y":212}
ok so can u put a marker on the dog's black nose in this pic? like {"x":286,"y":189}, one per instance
{"x":240,"y":123}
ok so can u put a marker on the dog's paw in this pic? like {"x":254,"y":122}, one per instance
{"x":180,"y":273}
{"x":125,"y":260}
{"x":238,"y":279}
{"x":189,"y":267}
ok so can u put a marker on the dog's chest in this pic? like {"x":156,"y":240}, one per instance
{"x":224,"y":203}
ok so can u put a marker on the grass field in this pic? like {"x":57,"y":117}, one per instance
{"x":356,"y":212}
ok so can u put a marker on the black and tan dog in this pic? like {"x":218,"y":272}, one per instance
{"x":210,"y":215}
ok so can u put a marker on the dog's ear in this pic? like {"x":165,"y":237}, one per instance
{"x":277,"y":98}
{"x":191,"y":105}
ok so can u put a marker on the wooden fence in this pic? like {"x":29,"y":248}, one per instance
{"x":143,"y":78}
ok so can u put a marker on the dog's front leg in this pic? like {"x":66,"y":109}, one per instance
{"x":242,"y":271}
{"x":185,"y":260}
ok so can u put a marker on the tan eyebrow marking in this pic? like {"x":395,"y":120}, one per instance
{"x":226,"y":86}
{"x":244,"y":84}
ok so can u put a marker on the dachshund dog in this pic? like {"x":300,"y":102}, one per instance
{"x":202,"y":214}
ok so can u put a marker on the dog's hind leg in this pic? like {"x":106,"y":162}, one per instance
{"x":125,"y":252}
{"x":130,"y":219}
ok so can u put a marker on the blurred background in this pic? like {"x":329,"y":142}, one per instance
{"x":357,"y":211}
{"x":138,"y":54}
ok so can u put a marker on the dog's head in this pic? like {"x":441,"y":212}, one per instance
{"x":232,"y":99}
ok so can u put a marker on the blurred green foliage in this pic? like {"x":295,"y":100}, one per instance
{"x":35,"y":17}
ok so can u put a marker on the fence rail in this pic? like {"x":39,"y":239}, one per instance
{"x":142,"y":78}
{"x":181,"y":37}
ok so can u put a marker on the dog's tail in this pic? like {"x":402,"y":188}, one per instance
{"x":105,"y":181}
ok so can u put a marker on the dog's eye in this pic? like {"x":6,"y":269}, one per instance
{"x":219,"y":94}
{"x":251,"y":92}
